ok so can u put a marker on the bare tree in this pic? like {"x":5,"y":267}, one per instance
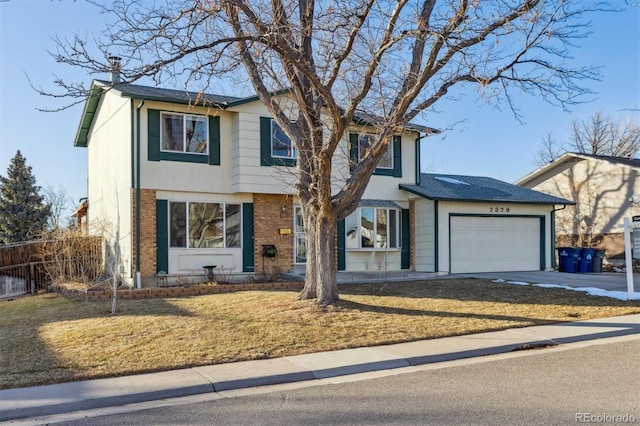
{"x":599,"y":135}
{"x":380,"y":62}
{"x":549,"y":151}
{"x":61,"y":207}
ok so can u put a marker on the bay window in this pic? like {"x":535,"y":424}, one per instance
{"x":373,"y":228}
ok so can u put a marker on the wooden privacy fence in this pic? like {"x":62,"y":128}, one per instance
{"x":43,"y":263}
{"x":23,"y":278}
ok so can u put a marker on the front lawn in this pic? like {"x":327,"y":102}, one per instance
{"x":49,"y":339}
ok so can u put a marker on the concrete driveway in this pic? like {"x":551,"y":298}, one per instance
{"x":611,"y":281}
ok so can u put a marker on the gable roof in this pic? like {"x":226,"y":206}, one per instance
{"x":136,"y":91}
{"x":573,"y":157}
{"x":477,"y":188}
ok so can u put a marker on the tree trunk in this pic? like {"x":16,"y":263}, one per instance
{"x":309,"y":290}
{"x":320,"y":281}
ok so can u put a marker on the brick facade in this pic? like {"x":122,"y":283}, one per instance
{"x":272,"y":213}
{"x":147,"y":232}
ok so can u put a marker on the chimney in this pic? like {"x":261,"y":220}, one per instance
{"x":114,"y":69}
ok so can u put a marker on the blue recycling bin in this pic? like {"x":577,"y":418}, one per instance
{"x":586,"y":259}
{"x":568,"y":259}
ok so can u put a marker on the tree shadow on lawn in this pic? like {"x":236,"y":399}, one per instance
{"x":29,"y":360}
{"x":484,"y":290}
{"x":388,"y":310}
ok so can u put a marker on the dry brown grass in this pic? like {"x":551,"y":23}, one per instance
{"x":49,"y":339}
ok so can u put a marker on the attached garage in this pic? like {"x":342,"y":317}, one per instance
{"x":468,"y":224}
{"x":495,"y":243}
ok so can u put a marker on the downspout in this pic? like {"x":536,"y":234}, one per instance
{"x":419,"y":138}
{"x":138,"y":275}
{"x":553,"y":240}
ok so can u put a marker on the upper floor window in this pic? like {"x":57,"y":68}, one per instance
{"x":276,"y":149}
{"x":373,"y":228}
{"x":172,"y":136}
{"x":364,"y":143}
{"x":390,"y":162}
{"x":204,"y":225}
{"x":281,"y":145}
{"x":184,"y":133}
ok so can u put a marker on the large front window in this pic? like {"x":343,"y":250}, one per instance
{"x":204,"y":225}
{"x":184,"y":133}
{"x":373,"y":228}
{"x":281,"y":145}
{"x":364,"y":143}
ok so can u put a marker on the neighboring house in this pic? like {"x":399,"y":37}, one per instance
{"x":601,"y":188}
{"x":175,"y":186}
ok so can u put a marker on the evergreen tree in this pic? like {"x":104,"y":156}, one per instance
{"x":23,"y":213}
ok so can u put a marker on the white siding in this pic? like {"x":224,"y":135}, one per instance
{"x":177,"y":175}
{"x":109,"y":180}
{"x":373,"y":260}
{"x":425,"y":234}
{"x":248,"y":175}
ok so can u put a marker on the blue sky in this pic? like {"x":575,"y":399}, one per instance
{"x":486,"y":142}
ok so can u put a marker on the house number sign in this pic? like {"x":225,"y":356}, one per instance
{"x":498,"y":209}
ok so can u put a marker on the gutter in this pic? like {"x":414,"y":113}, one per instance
{"x":417,"y":153}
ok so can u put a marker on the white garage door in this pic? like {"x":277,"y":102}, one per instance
{"x":494,"y":244}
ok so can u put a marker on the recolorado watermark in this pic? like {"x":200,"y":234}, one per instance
{"x":605,"y":418}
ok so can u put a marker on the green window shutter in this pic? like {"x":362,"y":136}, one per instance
{"x":153,"y":135}
{"x":405,"y":238}
{"x":353,"y":150}
{"x":342,"y":255}
{"x":214,"y":141}
{"x":397,"y":156}
{"x":162,"y":236}
{"x":247,"y":238}
{"x":265,"y":142}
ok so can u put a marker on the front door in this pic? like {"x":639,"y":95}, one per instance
{"x":299,"y":239}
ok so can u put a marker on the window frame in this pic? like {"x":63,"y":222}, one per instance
{"x":275,"y":127}
{"x":372,"y":137}
{"x":266,"y":147}
{"x":185,"y":118}
{"x":154,"y":141}
{"x":187,"y":237}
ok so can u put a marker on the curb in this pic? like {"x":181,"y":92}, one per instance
{"x":74,"y":396}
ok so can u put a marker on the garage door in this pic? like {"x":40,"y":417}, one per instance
{"x":494,"y":244}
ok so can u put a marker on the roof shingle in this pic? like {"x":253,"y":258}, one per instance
{"x":477,"y":188}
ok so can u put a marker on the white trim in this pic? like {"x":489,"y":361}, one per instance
{"x":628,"y":225}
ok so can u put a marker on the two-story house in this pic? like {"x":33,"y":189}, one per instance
{"x":178,"y":181}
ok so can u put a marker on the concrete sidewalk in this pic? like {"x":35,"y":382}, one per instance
{"x":75,"y":396}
